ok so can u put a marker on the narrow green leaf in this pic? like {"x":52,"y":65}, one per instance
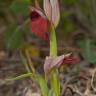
{"x":43,"y":85}
{"x":20,"y":77}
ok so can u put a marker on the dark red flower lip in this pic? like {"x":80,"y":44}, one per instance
{"x":34,"y":15}
{"x":70,"y":60}
{"x":38,"y":23}
{"x":37,"y":12}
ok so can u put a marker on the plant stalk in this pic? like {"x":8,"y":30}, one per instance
{"x":55,"y":84}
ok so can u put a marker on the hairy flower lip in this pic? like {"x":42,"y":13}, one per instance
{"x":69,"y":60}
{"x":39,"y":23}
{"x":34,"y":15}
{"x":38,"y":11}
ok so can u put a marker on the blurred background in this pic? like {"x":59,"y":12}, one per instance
{"x":76,"y":33}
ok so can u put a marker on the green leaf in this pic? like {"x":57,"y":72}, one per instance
{"x":43,"y":85}
{"x":87,"y":46}
{"x":20,"y":77}
{"x":20,"y":7}
{"x":14,"y":38}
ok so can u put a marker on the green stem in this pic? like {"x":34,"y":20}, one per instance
{"x":53,"y":42}
{"x":55,"y":85}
